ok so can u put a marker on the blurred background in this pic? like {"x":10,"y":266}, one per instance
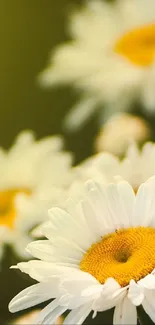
{"x":29,"y":30}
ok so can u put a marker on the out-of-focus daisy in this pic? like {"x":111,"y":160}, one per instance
{"x":110,"y":58}
{"x":119,"y":131}
{"x":29,"y":319}
{"x":31,"y":175}
{"x":136,"y":167}
{"x":99,"y":254}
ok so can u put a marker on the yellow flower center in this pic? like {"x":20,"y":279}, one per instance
{"x":138,"y":45}
{"x":124,"y":255}
{"x":7,"y":206}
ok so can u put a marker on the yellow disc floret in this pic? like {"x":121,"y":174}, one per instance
{"x":138,"y":45}
{"x":124,"y":255}
{"x":7,"y":206}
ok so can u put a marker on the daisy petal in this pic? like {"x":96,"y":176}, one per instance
{"x":149,"y":304}
{"x":50,"y":313}
{"x":121,"y":199}
{"x":148,"y":282}
{"x":135,"y":293}
{"x":145,"y":204}
{"x":75,"y":283}
{"x":60,"y":250}
{"x":125,"y":313}
{"x":43,"y":271}
{"x":78,"y":315}
{"x":110,"y":295}
{"x":80,"y":112}
{"x":31,"y":296}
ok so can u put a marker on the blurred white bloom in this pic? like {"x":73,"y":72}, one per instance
{"x":30,"y":173}
{"x":30,"y":318}
{"x":99,"y":254}
{"x":110,"y":58}
{"x":27,"y":319}
{"x":119,"y":131}
{"x":136,"y":166}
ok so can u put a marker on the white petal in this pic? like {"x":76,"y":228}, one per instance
{"x":24,"y":240}
{"x":107,"y":165}
{"x":111,"y":294}
{"x":148,"y":282}
{"x":93,"y":291}
{"x":47,"y":251}
{"x":60,"y":241}
{"x":98,"y":198}
{"x":78,"y":315}
{"x":53,"y":316}
{"x":121,"y":196}
{"x":135,"y":293}
{"x":80,"y":113}
{"x":145,"y":204}
{"x":31,"y":296}
{"x":127,"y":198}
{"x":78,"y":289}
{"x":43,"y":271}
{"x":92,"y":219}
{"x":24,"y":139}
{"x":149,"y":304}
{"x":75,"y":282}
{"x":50,"y":313}
{"x":73,"y":302}
{"x":125,"y":313}
{"x":67,"y":226}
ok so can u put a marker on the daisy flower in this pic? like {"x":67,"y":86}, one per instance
{"x":99,"y":254}
{"x":110,"y":58}
{"x":32,"y":173}
{"x":119,"y":131}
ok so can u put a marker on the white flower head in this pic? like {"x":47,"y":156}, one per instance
{"x":110,"y":58}
{"x":119,"y":131}
{"x":32,"y":173}
{"x":99,"y":254}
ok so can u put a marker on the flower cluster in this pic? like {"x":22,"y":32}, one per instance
{"x":96,"y":219}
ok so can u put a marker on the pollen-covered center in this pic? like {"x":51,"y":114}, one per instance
{"x":138,"y":45}
{"x":7,"y":205}
{"x":124,"y":255}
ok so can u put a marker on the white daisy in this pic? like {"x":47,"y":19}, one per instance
{"x":32,"y":173}
{"x":110,"y":58}
{"x":99,"y":254}
{"x":120,"y":130}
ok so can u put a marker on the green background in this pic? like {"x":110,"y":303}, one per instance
{"x":29,"y":29}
